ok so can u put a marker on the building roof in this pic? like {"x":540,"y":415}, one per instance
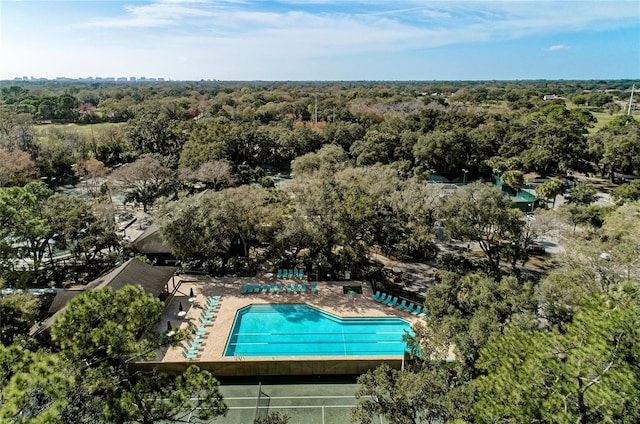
{"x":153,"y":280}
{"x":150,"y":241}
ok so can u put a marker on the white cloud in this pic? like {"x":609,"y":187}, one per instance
{"x":557,"y":48}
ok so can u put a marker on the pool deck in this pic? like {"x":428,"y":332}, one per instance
{"x":329,"y":297}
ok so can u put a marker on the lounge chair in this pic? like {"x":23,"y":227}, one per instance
{"x":388,"y":299}
{"x":313,"y":288}
{"x":410,"y":307}
{"x":256,"y":288}
{"x":418,"y":310}
{"x":393,"y":302}
{"x":303,"y":288}
{"x":189,"y":355}
{"x":402,"y":304}
{"x":289,"y":289}
{"x":295,"y":273}
{"x":296,"y":288}
{"x":383,"y":297}
{"x":215,"y":297}
{"x":205,"y":322}
{"x":272,"y":287}
{"x":279,"y":275}
{"x":201,"y":331}
{"x":301,"y":273}
{"x":208,"y":315}
{"x":290,"y":273}
{"x":278,"y":287}
{"x":265,"y":288}
{"x":376,"y":296}
{"x":245,"y":288}
{"x":249,"y":288}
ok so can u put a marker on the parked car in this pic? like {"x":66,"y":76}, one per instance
{"x":536,"y":248}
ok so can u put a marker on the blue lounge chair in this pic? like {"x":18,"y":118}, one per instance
{"x":382,"y":298}
{"x":376,"y":296}
{"x":215,"y":297}
{"x":313,"y":288}
{"x":201,"y":331}
{"x":290,"y":273}
{"x":301,"y":273}
{"x":410,"y":307}
{"x":256,"y":288}
{"x":189,"y":355}
{"x":279,"y":273}
{"x":393,"y":302}
{"x":388,"y":299}
{"x":402,"y":304}
{"x":245,"y":288}
{"x":418,"y":310}
{"x":265,"y":288}
{"x":249,"y":288}
{"x":278,"y":287}
{"x":296,"y":288}
{"x":289,"y":289}
{"x":272,"y":287}
{"x":295,"y":273}
{"x":303,"y":288}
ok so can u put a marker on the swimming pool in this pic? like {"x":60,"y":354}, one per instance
{"x":301,"y":330}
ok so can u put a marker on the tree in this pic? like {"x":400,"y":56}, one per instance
{"x":274,"y":417}
{"x":481,"y":214}
{"x":16,"y":167}
{"x":223,"y":222}
{"x":144,"y":180}
{"x":583,"y":194}
{"x":549,"y":190}
{"x":586,"y":373}
{"x":99,"y":335}
{"x":629,"y":192}
{"x":18,"y":312}
{"x":513,"y":179}
{"x":92,"y":171}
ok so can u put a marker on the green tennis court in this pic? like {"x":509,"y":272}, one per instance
{"x":308,"y":402}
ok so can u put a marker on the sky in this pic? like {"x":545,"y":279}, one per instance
{"x":307,"y":40}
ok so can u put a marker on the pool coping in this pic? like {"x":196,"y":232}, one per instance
{"x":327,"y":298}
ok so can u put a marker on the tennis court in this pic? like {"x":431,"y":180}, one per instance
{"x":308,"y":402}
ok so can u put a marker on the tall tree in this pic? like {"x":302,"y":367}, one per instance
{"x":586,"y":373}
{"x":481,"y":214}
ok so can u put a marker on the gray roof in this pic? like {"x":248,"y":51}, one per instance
{"x":153,"y":279}
{"x":150,"y":241}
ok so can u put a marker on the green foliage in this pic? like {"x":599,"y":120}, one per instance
{"x":481,"y":214}
{"x":629,"y":192}
{"x":586,"y":373}
{"x":583,"y":194}
{"x":91,"y":379}
{"x":18,"y":312}
{"x":549,"y":190}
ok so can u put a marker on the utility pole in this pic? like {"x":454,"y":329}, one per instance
{"x":631,"y":99}
{"x":315,"y":119}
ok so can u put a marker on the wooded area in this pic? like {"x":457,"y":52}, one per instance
{"x":244,"y":178}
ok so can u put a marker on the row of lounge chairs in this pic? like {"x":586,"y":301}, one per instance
{"x":392,"y":301}
{"x":277,"y":288}
{"x":290,"y":273}
{"x":196,"y":343}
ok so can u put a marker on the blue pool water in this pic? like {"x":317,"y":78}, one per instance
{"x":301,"y":330}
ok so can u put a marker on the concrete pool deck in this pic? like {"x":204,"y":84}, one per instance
{"x":329,"y":297}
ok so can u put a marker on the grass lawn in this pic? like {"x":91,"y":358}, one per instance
{"x":82,"y":129}
{"x":603,"y":119}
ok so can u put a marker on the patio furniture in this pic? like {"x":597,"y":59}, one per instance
{"x":256,"y":288}
{"x":301,"y":273}
{"x":313,"y":288}
{"x":272,"y":287}
{"x":278,"y":288}
{"x":289,"y":289}
{"x":402,"y":304}
{"x":417,"y":311}
{"x":383,"y":297}
{"x":410,"y":307}
{"x":295,"y":273}
{"x":279,"y":275}
{"x":376,"y":296}
{"x":296,"y":288}
{"x":303,"y":288}
{"x":290,"y":273}
{"x":393,"y":302}
{"x":265,"y":289}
